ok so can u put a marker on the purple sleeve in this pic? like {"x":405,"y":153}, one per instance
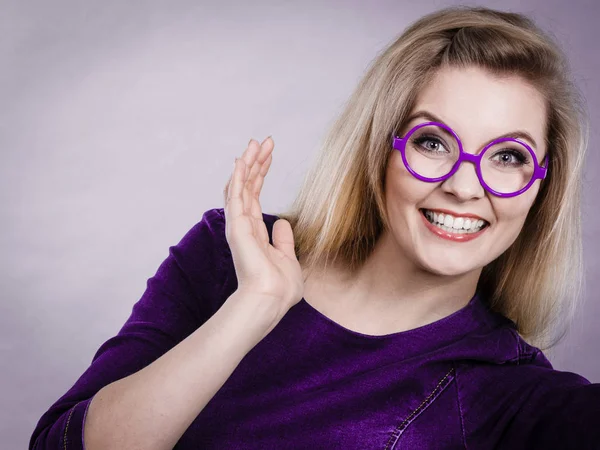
{"x":561,"y":410}
{"x":179,"y":298}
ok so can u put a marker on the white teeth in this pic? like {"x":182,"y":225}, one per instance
{"x":455,"y":225}
{"x":448,"y":221}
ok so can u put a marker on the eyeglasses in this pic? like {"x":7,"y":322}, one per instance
{"x":433,"y":152}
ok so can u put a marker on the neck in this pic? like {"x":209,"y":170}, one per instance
{"x":391,"y":284}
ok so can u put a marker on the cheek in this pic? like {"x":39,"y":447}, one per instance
{"x":513,"y":212}
{"x":402,"y":189}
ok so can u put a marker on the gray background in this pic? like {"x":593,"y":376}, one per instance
{"x":119,"y":124}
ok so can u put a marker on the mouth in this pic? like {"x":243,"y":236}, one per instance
{"x":455,"y":228}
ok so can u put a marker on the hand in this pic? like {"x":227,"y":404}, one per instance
{"x":268,"y":271}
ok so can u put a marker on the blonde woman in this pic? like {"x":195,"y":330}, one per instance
{"x":404,"y":302}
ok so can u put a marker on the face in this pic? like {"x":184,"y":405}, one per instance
{"x":479,"y":108}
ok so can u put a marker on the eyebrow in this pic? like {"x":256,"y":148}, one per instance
{"x":512,"y":134}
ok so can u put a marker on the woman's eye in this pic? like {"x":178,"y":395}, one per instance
{"x":433,"y":145}
{"x":430,"y":144}
{"x":510,"y":158}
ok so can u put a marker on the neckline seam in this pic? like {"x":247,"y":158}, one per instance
{"x":470,"y":307}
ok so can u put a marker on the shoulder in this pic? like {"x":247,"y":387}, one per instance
{"x":505,"y":366}
{"x":542,"y":382}
{"x":212,"y":227}
{"x":207,"y":238}
{"x":517,"y":399}
{"x":554,"y":409}
{"x":205,"y":256}
{"x":202,"y":249}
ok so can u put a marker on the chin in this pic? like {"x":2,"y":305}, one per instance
{"x":449,"y":269}
{"x":434,"y":252}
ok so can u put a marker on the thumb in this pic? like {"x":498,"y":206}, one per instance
{"x":283,"y":238}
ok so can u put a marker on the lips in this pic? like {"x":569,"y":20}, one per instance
{"x":453,"y":234}
{"x":455,"y":215}
{"x":454,"y":224}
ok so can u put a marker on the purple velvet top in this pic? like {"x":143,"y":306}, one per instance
{"x":465,"y":381}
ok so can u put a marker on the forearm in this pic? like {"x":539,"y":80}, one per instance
{"x":152,"y":408}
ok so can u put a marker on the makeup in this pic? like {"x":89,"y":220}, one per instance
{"x":457,"y":237}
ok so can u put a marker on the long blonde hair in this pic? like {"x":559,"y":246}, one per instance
{"x":339,"y":212}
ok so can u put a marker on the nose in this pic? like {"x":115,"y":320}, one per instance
{"x":464,"y":184}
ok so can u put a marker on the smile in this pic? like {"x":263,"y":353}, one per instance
{"x":457,"y":229}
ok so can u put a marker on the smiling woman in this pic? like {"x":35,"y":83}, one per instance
{"x":406,"y":299}
{"x":498,"y":90}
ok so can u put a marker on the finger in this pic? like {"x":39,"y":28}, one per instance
{"x":256,"y":206}
{"x":257,"y":176}
{"x":260,"y":179}
{"x":249,"y":158}
{"x":227,"y":186}
{"x":264,"y":158}
{"x":258,"y":216}
{"x":235,"y":201}
{"x":283,"y":238}
{"x":258,"y":172}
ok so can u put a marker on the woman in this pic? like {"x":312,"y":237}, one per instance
{"x":438,"y":245}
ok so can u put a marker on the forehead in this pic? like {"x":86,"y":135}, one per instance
{"x":479,"y":106}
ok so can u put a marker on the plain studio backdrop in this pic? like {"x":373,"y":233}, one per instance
{"x":119,"y":125}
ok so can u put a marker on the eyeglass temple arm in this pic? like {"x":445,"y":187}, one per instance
{"x":542,"y":171}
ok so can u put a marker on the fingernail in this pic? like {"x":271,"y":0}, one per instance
{"x":250,"y":141}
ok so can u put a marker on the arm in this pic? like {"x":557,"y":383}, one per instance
{"x":184,"y":293}
{"x":152,"y":408}
{"x":562,"y":410}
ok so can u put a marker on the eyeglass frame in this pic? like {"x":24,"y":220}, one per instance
{"x":539,"y":172}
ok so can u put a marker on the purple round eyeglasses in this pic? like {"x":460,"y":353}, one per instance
{"x":539,"y":172}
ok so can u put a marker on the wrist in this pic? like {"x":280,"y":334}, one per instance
{"x":256,"y":313}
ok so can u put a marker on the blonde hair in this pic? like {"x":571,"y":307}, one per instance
{"x":340,"y":211}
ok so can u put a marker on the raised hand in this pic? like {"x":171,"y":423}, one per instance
{"x":264,"y":270}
